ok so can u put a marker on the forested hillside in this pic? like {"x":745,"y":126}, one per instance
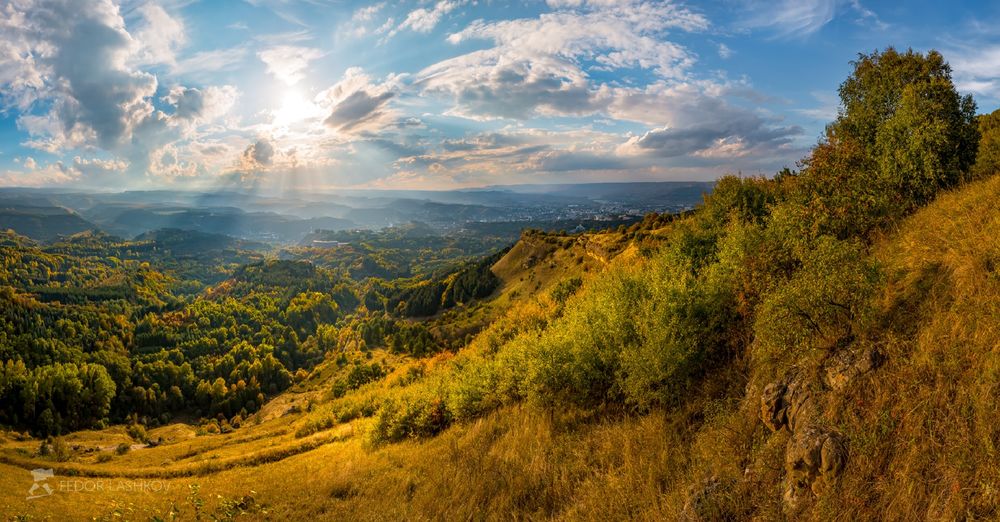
{"x":815,"y":345}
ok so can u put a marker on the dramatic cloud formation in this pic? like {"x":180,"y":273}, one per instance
{"x":81,"y":50}
{"x":540,"y":66}
{"x":257,"y":155}
{"x":78,"y":65}
{"x":426,"y":94}
{"x":206,"y":104}
{"x":356,"y":104}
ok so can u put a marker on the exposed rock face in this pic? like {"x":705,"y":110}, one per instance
{"x":813,"y":458}
{"x":845,"y":365}
{"x":773,"y":411}
{"x":785,"y":402}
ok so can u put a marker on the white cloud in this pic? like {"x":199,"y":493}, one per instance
{"x":212,"y":61}
{"x":96,"y":172}
{"x":52,"y":174}
{"x":367,"y":13}
{"x":200,"y":105}
{"x":792,"y":17}
{"x":696,"y":117}
{"x":258,"y":154}
{"x":160,"y":35}
{"x":72,"y":71}
{"x":826,"y":110}
{"x":357,"y":104}
{"x":423,"y":20}
{"x":358,"y":25}
{"x":541,"y":65}
{"x":977,"y":69}
{"x":800,"y":18}
{"x":288,"y":62}
{"x":81,"y":51}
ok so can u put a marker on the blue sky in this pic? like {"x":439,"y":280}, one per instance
{"x":326,"y":94}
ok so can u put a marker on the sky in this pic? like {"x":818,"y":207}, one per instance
{"x":320,"y":95}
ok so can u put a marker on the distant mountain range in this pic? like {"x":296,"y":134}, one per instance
{"x":47,"y":214}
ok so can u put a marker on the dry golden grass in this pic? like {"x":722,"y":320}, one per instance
{"x":924,"y":427}
{"x":516,"y":461}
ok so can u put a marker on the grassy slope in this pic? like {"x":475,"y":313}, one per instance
{"x":534,"y":265}
{"x":922,"y":429}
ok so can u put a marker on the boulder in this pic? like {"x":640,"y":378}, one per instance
{"x":785,"y":402}
{"x":844,"y":366}
{"x":814,"y":458}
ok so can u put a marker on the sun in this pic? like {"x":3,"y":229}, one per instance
{"x":294,"y":108}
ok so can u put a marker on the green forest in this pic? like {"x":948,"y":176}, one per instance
{"x":99,"y":330}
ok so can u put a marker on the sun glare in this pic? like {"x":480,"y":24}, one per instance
{"x":294,"y":108}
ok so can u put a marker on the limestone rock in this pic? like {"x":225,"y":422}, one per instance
{"x":814,"y":457}
{"x":785,"y":402}
{"x":773,"y":411}
{"x":845,"y":365}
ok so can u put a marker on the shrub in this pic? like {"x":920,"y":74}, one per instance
{"x":315,"y":425}
{"x":564,"y":289}
{"x":419,"y":416}
{"x":823,"y":302}
{"x":137,"y":432}
{"x":363,"y":374}
{"x":988,"y":155}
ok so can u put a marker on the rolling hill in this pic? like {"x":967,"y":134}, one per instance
{"x":309,"y":454}
{"x":41,"y":221}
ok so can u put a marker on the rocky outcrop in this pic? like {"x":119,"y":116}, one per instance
{"x":845,"y":365}
{"x":814,"y":455}
{"x":814,"y":458}
{"x":785,"y":402}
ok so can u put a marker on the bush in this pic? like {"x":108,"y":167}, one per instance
{"x":315,"y":425}
{"x":137,"y":432}
{"x":56,"y":449}
{"x":821,"y":304}
{"x":421,"y":416}
{"x":564,"y":289}
{"x":363,"y":374}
